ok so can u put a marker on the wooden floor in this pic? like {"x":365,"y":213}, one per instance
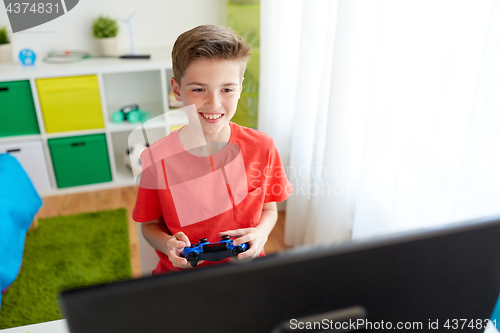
{"x":125,"y":198}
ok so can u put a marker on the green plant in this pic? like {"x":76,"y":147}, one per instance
{"x":104,"y":27}
{"x":4,"y":37}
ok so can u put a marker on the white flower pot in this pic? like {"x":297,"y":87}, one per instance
{"x":107,"y":46}
{"x":5,"y":53}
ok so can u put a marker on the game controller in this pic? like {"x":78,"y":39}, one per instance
{"x":204,"y":250}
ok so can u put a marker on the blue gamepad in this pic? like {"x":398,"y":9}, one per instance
{"x":204,"y":250}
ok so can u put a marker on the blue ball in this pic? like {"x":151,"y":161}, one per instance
{"x":27,"y":57}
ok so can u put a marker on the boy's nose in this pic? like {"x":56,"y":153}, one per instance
{"x":214,"y":100}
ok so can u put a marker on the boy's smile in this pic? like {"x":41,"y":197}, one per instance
{"x":214,"y":87}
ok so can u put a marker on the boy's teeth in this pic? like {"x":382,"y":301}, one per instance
{"x":210,"y":116}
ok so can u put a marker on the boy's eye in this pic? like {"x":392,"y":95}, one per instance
{"x":227,"y":90}
{"x":198,"y":90}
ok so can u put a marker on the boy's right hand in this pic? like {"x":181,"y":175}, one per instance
{"x":175,"y":245}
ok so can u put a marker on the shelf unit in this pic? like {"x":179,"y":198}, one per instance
{"x":121,"y":82}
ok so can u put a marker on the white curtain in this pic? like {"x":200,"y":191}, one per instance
{"x":387,"y":113}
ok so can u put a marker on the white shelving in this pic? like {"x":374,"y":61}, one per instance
{"x":20,"y":138}
{"x":121,"y":82}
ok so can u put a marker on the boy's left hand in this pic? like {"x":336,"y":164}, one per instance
{"x":255,"y":238}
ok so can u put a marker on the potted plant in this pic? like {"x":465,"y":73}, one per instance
{"x":105,"y":30}
{"x":5,"y":46}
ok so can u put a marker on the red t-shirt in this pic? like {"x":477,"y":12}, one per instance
{"x":202,"y":196}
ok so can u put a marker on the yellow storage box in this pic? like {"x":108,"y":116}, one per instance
{"x":70,"y":103}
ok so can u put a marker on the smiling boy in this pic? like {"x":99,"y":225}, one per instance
{"x":234,"y":188}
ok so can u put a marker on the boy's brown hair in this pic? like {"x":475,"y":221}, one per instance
{"x":208,"y":42}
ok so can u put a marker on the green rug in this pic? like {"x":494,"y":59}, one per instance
{"x":66,"y":252}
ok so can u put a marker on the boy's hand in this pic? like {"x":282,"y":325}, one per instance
{"x":255,"y":238}
{"x":175,"y":245}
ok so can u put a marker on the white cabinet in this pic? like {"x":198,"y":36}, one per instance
{"x":31,"y":156}
{"x":121,"y":82}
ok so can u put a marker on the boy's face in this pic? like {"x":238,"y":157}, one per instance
{"x":214,"y":87}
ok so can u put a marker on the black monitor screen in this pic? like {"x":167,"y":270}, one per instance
{"x":427,"y":279}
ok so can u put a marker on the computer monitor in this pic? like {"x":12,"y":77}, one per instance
{"x":424,"y":280}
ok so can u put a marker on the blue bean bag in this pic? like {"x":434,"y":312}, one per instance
{"x":19,"y":202}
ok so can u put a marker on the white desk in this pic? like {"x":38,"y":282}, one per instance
{"x":491,"y":330}
{"x":56,"y":326}
{"x":60,"y":326}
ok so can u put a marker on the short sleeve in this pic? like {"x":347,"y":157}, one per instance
{"x":147,"y":206}
{"x":277,"y":188}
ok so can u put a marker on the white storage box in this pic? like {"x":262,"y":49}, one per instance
{"x":30,"y":155}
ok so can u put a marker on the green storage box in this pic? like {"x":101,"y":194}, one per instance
{"x":17,"y":109}
{"x":80,"y":160}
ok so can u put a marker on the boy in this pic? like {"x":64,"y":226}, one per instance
{"x":233,"y":188}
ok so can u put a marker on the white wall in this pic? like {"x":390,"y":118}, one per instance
{"x":157,"y":24}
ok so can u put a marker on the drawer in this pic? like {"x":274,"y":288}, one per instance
{"x":80,"y":160}
{"x":17,"y":109}
{"x":30,"y":155}
{"x":70,"y":103}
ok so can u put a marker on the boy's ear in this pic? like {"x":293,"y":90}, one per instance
{"x":241,"y":84}
{"x":175,"y":89}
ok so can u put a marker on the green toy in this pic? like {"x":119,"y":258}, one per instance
{"x":131,"y":113}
